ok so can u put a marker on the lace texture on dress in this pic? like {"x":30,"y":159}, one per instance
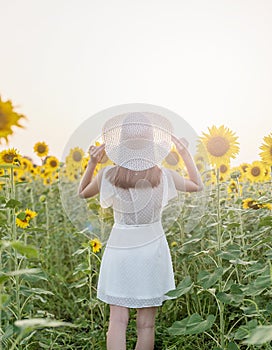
{"x":140,"y":205}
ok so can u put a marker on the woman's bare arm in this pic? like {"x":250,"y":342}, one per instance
{"x":88,"y":186}
{"x":194,"y":183}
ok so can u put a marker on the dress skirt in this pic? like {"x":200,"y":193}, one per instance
{"x":136,"y":269}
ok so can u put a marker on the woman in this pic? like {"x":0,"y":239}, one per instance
{"x":136,"y":269}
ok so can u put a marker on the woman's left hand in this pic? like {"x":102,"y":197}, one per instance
{"x":97,"y":153}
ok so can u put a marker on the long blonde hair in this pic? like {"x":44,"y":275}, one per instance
{"x":126,"y":178}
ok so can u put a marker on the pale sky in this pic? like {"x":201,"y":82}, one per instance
{"x":210,"y":61}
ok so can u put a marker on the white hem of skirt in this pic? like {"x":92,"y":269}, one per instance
{"x":132,"y":302}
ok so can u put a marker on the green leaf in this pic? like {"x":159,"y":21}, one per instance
{"x":26,"y":291}
{"x":35,"y":323}
{"x":232,"y":252}
{"x":232,"y":346}
{"x":244,"y":331}
{"x":27,"y":250}
{"x":265,"y":221}
{"x":2,"y":199}
{"x":80,"y":283}
{"x":242,"y":262}
{"x":208,"y":279}
{"x":231,"y":299}
{"x":9,"y":331}
{"x":4,"y":298}
{"x":3,"y":278}
{"x":21,"y":216}
{"x":34,"y":229}
{"x":13,"y":203}
{"x":259,"y":335}
{"x":183,"y":287}
{"x":193,"y":324}
{"x":260,"y":284}
{"x":23,"y":272}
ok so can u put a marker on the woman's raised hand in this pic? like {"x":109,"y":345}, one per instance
{"x":181,"y":144}
{"x":96,"y":153}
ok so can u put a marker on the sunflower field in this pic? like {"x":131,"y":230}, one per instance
{"x":49,"y":266}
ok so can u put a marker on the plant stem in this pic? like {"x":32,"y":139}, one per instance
{"x":219,"y":237}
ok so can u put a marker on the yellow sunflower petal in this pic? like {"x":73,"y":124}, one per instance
{"x":266,"y":148}
{"x":51,"y":163}
{"x":10,"y":157}
{"x":41,"y":149}
{"x":96,"y":245}
{"x":256,"y":172}
{"x":8,"y":119}
{"x":221,"y":144}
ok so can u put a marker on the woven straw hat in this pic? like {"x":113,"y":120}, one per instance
{"x":137,"y":140}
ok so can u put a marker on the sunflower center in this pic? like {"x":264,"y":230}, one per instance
{"x":255,"y":171}
{"x":223,"y":168}
{"x":172,"y":158}
{"x":77,"y":156}
{"x":218,"y":146}
{"x":244,"y":168}
{"x":3,"y":121}
{"x":8,"y":158}
{"x":53,"y":164}
{"x":24,"y":165}
{"x":41,"y":148}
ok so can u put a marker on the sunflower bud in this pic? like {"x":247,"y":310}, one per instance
{"x":42,"y":198}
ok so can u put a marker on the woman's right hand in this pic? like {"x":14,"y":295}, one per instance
{"x":181,"y":144}
{"x":96,"y":153}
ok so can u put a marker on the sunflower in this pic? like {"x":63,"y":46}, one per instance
{"x":26,"y":163}
{"x":236,"y":173}
{"x":48,"y":180}
{"x":256,"y":171}
{"x":202,"y":154}
{"x":209,"y":177}
{"x":34,"y":170}
{"x":72,"y":174}
{"x":224,"y":171}
{"x":250,"y":203}
{"x":24,"y":217}
{"x":84,"y":163}
{"x":8,"y":119}
{"x":51,"y":163}
{"x":267,"y":206}
{"x":174,"y":244}
{"x":75,"y":156}
{"x":267,"y":172}
{"x":266,"y":148}
{"x":234,"y":188}
{"x":173,"y":160}
{"x":41,"y":149}
{"x":243,"y":169}
{"x":221,"y":144}
{"x":10,"y":157}
{"x":19,"y":175}
{"x":96,"y":245}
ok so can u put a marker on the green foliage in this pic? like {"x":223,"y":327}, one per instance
{"x":49,"y":274}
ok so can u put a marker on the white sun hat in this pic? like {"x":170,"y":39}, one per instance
{"x":137,"y":140}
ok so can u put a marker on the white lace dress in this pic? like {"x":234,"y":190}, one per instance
{"x":136,"y":269}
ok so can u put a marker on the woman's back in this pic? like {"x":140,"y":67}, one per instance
{"x":139,"y":205}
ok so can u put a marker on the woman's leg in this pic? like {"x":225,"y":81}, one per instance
{"x":146,"y":328}
{"x":116,"y":336}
